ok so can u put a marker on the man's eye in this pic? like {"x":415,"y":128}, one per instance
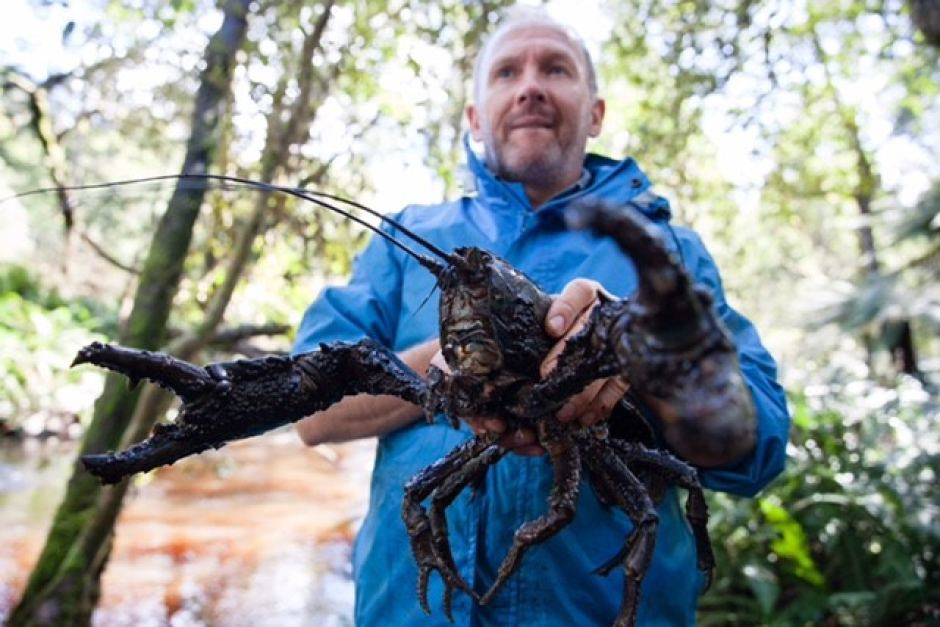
{"x":504,"y":72}
{"x":558,"y":69}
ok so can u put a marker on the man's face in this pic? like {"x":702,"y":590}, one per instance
{"x":534,"y":109}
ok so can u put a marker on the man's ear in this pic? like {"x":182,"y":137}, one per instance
{"x":597,"y":117}
{"x":473,"y":118}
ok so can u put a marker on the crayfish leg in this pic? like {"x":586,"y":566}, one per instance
{"x":685,"y":476}
{"x":630,"y":494}
{"x":418,"y":524}
{"x":566,"y":464}
{"x":441,"y":498}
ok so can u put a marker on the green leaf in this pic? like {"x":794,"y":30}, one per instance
{"x":763,"y":584}
{"x":790,"y":542}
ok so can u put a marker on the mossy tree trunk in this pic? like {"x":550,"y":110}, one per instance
{"x":64,"y":586}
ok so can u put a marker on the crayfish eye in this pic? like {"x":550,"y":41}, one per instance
{"x":500,"y":303}
{"x":478,"y":258}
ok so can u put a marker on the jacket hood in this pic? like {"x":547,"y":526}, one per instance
{"x":616,"y":182}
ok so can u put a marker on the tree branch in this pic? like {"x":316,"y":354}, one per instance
{"x":105,"y":255}
{"x":41,"y":125}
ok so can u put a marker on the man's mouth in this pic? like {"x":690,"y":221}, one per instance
{"x":532,"y":121}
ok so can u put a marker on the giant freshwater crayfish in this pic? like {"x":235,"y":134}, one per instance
{"x":665,"y":340}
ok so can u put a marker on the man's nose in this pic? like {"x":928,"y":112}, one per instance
{"x":531,"y":89}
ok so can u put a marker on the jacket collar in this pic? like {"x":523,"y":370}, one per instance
{"x":617,"y":182}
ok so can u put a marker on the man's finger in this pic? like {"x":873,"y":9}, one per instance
{"x":604,"y":401}
{"x":529,"y":451}
{"x":577,"y":296}
{"x":438,"y":361}
{"x":522,"y":442}
{"x":496,"y":425}
{"x":482,"y":424}
{"x":551,"y":360}
{"x":580,"y":402}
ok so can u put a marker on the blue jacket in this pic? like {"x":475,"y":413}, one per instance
{"x":385,"y":300}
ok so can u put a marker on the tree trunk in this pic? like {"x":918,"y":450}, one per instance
{"x":64,"y":586}
{"x":926,"y":17}
{"x":896,"y":335}
{"x":41,"y":125}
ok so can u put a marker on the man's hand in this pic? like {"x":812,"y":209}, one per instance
{"x":567,"y":315}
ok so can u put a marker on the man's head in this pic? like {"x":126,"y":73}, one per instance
{"x":536,"y":104}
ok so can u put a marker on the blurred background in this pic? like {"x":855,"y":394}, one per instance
{"x":800,"y":138}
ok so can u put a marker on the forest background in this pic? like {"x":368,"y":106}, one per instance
{"x":799,"y":138}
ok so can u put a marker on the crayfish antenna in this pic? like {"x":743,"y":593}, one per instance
{"x":180,"y":377}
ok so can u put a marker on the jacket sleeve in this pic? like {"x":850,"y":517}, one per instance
{"x":752,"y":473}
{"x":366,"y":307}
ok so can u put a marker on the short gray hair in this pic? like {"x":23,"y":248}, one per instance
{"x":519,"y":16}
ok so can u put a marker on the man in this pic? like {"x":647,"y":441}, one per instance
{"x":535,"y":106}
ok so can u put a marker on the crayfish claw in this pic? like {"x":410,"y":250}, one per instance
{"x":184,"y":379}
{"x":163,"y":447}
{"x":86,"y":354}
{"x":424,"y":575}
{"x":103,"y":466}
{"x":607,"y":567}
{"x":449,"y":602}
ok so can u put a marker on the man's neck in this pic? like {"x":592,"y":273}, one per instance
{"x":539,"y":195}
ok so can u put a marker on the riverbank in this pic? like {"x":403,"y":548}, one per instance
{"x":258,"y":532}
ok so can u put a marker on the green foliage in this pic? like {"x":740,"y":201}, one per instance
{"x":909,"y":288}
{"x":40,"y":331}
{"x":850,"y":533}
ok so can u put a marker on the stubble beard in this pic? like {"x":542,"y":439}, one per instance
{"x":541,"y":170}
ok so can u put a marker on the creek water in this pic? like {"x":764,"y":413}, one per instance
{"x":256,"y":533}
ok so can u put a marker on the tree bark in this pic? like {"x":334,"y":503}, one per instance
{"x":926,"y":17}
{"x":895,"y":335}
{"x":41,"y":126}
{"x":65,"y":584}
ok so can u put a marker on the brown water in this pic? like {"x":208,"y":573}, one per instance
{"x":257,"y":533}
